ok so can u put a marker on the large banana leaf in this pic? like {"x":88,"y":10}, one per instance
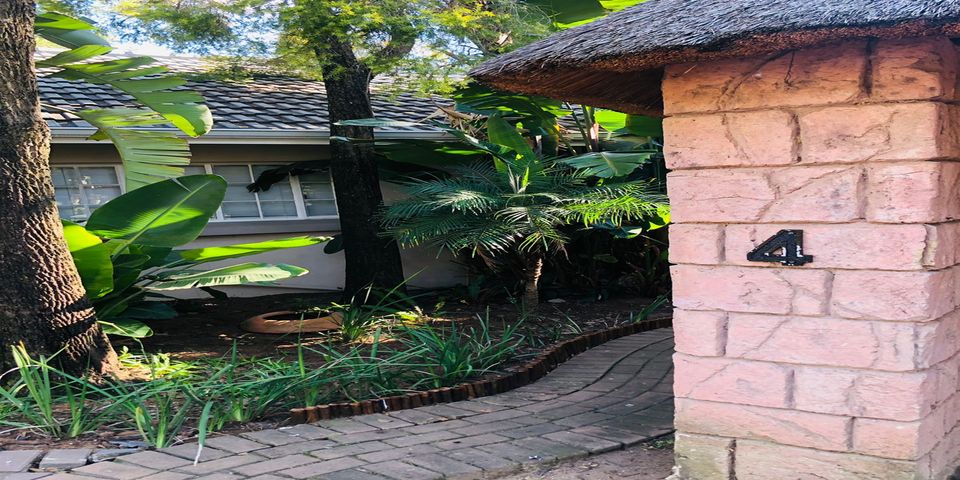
{"x":92,"y":259}
{"x":608,"y":164}
{"x":164,"y":214}
{"x":213,"y":254}
{"x":570,"y":13}
{"x":246,"y":273}
{"x":628,"y":124}
{"x":126,"y":327}
{"x":148,"y":155}
{"x":66,"y":31}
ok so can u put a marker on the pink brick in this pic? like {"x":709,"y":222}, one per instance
{"x":914,"y":69}
{"x":767,"y":461}
{"x":938,"y":340}
{"x":700,"y":333}
{"x":861,"y":393}
{"x":943,"y":245}
{"x":791,"y":194}
{"x":751,"y":290}
{"x":913,"y":192}
{"x":790,"y":427}
{"x":899,"y":296}
{"x":862,"y":133}
{"x":900,"y":440}
{"x":851,"y":246}
{"x":944,"y":457}
{"x":732,"y":139}
{"x":704,"y":457}
{"x":732,"y":381}
{"x":696,"y":243}
{"x":822,"y":341}
{"x":816,"y":76}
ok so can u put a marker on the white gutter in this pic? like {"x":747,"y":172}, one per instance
{"x":250,"y":136}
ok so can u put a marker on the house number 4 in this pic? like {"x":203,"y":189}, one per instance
{"x":785,"y":247}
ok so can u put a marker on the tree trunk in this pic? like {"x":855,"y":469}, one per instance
{"x":371,"y":259}
{"x":42,"y":301}
{"x":531,"y":283}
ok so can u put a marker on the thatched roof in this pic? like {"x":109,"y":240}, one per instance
{"x":618,"y":61}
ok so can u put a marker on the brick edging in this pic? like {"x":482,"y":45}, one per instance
{"x":528,"y":373}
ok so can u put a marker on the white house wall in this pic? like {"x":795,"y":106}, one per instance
{"x":326,"y":271}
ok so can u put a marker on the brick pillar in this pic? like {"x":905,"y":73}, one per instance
{"x":846,"y":367}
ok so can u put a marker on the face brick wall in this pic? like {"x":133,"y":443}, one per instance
{"x":847,"y":367}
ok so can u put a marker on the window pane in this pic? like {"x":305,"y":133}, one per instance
{"x":194,"y":170}
{"x":97,"y":196}
{"x":320,"y":208}
{"x":64,"y":176}
{"x":315,"y":177}
{"x":278,"y":209}
{"x":98,"y":176}
{"x":233,"y":173}
{"x":239,"y":193}
{"x":240,"y":210}
{"x":279,"y":191}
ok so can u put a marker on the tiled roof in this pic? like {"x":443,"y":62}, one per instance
{"x":271,"y":103}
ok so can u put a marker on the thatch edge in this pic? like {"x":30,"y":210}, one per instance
{"x":551,"y":78}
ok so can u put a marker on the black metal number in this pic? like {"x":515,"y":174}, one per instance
{"x":785,"y":247}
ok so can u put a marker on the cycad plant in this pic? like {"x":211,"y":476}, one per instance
{"x":519,"y":203}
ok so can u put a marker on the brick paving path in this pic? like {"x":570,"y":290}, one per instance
{"x":611,"y":397}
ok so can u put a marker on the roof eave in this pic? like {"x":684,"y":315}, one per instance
{"x":246,"y":136}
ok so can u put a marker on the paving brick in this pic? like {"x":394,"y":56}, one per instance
{"x":346,"y":450}
{"x":295,"y":448}
{"x":532,"y":450}
{"x":591,"y":444}
{"x":488,"y":428}
{"x":446,"y":465}
{"x":350,"y":474}
{"x":471,"y":441}
{"x":18,"y":460}
{"x":119,"y":471}
{"x":168,"y":476}
{"x":446,"y":411}
{"x":273,"y":437}
{"x":496,"y":416}
{"x":234,"y":444}
{"x":274,"y":465}
{"x":488,"y":462}
{"x":327,"y":466}
{"x":402,"y":471}
{"x":189,"y":451}
{"x":370,"y":436}
{"x":345,"y":425}
{"x":66,"y":458}
{"x":382,"y":421}
{"x":417,"y":417}
{"x":309,"y":432}
{"x":155,"y":460}
{"x":27,"y":476}
{"x":397,"y":453}
{"x":225,"y":464}
{"x":434,"y":427}
{"x":535,"y":430}
{"x":431,"y":437}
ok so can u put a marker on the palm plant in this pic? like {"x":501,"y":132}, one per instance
{"x":519,"y":203}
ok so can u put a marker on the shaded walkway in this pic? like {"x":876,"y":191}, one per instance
{"x":613,"y":396}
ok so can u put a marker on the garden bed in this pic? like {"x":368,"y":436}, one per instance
{"x":263,"y":377}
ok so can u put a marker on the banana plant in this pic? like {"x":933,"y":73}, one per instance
{"x":570,"y":13}
{"x":145,"y":135}
{"x":127,"y":252}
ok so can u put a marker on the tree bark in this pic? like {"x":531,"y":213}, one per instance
{"x":531,"y":283}
{"x":371,"y":259}
{"x":42,"y":301}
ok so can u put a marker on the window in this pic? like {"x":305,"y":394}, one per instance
{"x":81,"y":189}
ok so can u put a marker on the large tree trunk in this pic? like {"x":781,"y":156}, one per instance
{"x":370,"y":258}
{"x":42,"y":302}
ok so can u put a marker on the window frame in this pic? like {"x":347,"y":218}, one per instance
{"x":118,"y":170}
{"x":295,"y":187}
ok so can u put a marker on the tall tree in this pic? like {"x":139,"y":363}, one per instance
{"x":345,"y":43}
{"x":42,"y":302}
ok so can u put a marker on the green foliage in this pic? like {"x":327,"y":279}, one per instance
{"x":148,"y":154}
{"x":454,"y":355}
{"x":125,"y":253}
{"x":571,"y":13}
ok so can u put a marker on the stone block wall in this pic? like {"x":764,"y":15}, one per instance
{"x":846,"y":367}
